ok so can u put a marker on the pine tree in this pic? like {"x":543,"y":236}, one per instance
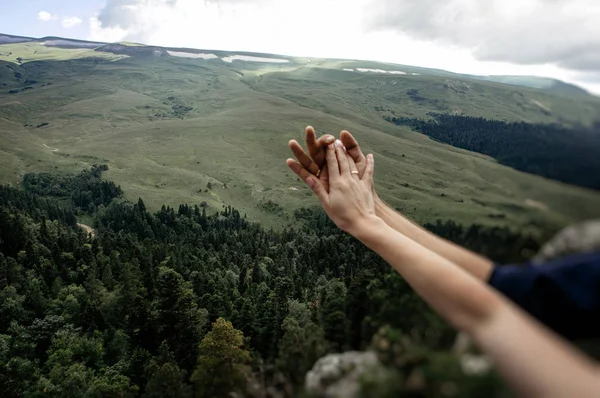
{"x":223,"y":363}
{"x":167,"y":380}
{"x":333,"y":315}
{"x":302,"y":343}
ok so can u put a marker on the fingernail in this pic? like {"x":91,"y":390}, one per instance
{"x":310,"y":181}
{"x":338,"y":143}
{"x":329,"y":140}
{"x":330,"y":146}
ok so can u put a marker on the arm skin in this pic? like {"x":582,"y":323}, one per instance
{"x":475,"y":264}
{"x":534,"y":361}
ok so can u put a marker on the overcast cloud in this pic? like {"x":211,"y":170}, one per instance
{"x":558,"y":38}
{"x":563,"y":32}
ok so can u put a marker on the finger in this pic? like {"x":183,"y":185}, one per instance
{"x":353,"y":168}
{"x":298,"y":169}
{"x":311,"y":139}
{"x":313,"y":182}
{"x":342,"y":158}
{"x":351,"y":146}
{"x":316,"y":147}
{"x":319,"y":152}
{"x":369,"y":170}
{"x":302,"y":157}
{"x":325,"y":140}
{"x":332,"y":163}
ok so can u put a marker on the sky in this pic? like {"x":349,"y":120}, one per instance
{"x":553,"y":38}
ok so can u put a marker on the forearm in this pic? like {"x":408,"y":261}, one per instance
{"x":473,"y":263}
{"x":532,"y":359}
{"x":451,"y":291}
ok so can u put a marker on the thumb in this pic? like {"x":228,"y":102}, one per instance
{"x":317,"y":188}
{"x":369,"y":170}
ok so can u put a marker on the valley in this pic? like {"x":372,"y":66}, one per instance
{"x":213,"y":127}
{"x":154,"y":243}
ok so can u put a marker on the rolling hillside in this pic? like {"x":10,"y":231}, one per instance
{"x":184,"y":125}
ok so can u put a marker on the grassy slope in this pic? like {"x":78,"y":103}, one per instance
{"x":350,"y":92}
{"x":239,"y":127}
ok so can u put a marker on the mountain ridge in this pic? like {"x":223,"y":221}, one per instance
{"x":182,"y":125}
{"x":554,"y":85}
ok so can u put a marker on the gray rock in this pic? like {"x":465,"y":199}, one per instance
{"x":578,"y":238}
{"x":338,"y":375}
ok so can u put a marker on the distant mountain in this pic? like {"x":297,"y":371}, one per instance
{"x":6,"y":39}
{"x":134,"y":49}
{"x":545,"y":83}
{"x":207,"y":126}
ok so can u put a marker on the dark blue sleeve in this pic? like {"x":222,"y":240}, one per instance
{"x":563,"y":294}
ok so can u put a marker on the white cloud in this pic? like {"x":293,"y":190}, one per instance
{"x":45,"y":16}
{"x":103,"y":34}
{"x":529,"y":32}
{"x":342,"y":29}
{"x":69,"y":22}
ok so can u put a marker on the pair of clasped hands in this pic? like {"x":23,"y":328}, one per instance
{"x":340,"y":176}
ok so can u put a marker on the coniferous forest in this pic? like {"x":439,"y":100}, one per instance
{"x":565,"y":154}
{"x":200,"y":302}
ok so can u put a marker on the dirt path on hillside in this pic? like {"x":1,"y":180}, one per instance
{"x":87,"y":229}
{"x":52,"y":149}
{"x":536,"y":204}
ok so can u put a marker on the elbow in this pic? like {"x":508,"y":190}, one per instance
{"x":476,"y":312}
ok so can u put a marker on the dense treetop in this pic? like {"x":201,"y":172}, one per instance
{"x":566,"y":154}
{"x":193,"y":302}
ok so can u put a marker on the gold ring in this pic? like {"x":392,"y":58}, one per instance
{"x":354,"y":172}
{"x":318,"y":173}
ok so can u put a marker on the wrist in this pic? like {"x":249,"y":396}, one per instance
{"x":367,"y":228}
{"x":379,"y":204}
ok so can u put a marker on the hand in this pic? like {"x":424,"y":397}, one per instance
{"x":354,"y":151}
{"x":317,"y":150}
{"x":312,"y":165}
{"x":350,"y":202}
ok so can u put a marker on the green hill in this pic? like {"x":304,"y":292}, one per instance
{"x":183,"y":125}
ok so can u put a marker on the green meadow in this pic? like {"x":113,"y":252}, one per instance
{"x":190,"y":130}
